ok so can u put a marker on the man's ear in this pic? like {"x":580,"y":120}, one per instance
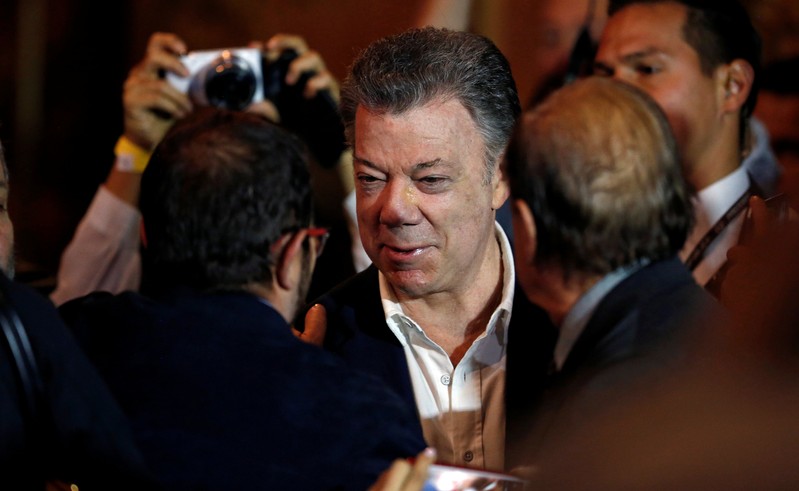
{"x":284,"y":274}
{"x":525,"y":238}
{"x":734,"y":82}
{"x":501,"y":189}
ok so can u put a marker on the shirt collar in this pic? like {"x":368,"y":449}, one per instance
{"x":402,"y":325}
{"x":716,"y":199}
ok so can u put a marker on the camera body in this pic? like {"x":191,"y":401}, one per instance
{"x":232,"y":78}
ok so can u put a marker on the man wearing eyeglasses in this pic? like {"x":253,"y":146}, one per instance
{"x":220,"y":393}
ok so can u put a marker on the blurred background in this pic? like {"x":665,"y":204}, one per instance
{"x":63,"y":64}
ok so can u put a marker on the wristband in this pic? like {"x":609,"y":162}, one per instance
{"x":130,"y":157}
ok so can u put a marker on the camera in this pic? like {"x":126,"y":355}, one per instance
{"x":232,"y":78}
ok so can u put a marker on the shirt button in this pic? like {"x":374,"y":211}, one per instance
{"x":468,"y":456}
{"x":445,"y":379}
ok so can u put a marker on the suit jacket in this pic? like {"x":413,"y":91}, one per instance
{"x":221,"y":395}
{"x":637,"y":332}
{"x":75,"y":432}
{"x":357,"y":331}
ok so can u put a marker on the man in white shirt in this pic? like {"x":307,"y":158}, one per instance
{"x":699,"y":61}
{"x":428,"y":113}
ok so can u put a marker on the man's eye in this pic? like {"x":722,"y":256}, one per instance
{"x":366,"y":178}
{"x":646,"y":69}
{"x":433,"y":184}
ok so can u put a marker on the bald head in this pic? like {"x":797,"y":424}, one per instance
{"x":597,"y":165}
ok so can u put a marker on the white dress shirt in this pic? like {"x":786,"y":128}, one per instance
{"x":710,"y":204}
{"x":104,"y":252}
{"x":461,"y":407}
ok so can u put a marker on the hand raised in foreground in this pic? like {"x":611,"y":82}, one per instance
{"x":315,"y":326}
{"x":406,"y":476}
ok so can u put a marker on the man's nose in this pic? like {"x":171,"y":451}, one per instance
{"x":400,"y":204}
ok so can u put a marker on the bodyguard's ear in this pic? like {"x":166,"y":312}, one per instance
{"x":735,"y":81}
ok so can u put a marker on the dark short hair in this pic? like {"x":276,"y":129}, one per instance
{"x":720,"y":31}
{"x":219,"y":190}
{"x":410,"y":69}
{"x":597,"y":164}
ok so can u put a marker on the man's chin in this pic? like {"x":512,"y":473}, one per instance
{"x":410,"y":283}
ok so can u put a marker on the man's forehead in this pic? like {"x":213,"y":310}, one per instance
{"x":645,"y":27}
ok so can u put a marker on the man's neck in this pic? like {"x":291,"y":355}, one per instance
{"x":454,"y":319}
{"x":722,"y":157}
{"x":557,"y":294}
{"x":283,"y":301}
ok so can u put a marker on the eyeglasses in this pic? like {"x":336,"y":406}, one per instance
{"x":321,"y":234}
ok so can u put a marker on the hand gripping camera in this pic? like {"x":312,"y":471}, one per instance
{"x":234,"y":78}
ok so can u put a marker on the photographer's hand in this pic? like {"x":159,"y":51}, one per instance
{"x":151,"y":104}
{"x":307,"y":61}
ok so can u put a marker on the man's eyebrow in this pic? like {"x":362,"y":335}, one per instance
{"x":427,"y":165}
{"x":362,"y":161}
{"x":637,"y":55}
{"x":417,"y":167}
{"x":628,"y":59}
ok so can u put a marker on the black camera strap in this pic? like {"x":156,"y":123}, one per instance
{"x":22,"y":357}
{"x":740,"y":205}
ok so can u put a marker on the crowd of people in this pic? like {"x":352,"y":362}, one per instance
{"x":568,"y":290}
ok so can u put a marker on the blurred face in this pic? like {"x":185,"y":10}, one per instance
{"x":560,"y":23}
{"x":643,"y":45}
{"x":6,"y":230}
{"x":425,"y":215}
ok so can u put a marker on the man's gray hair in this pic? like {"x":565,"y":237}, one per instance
{"x":408,"y":70}
{"x":597,"y":164}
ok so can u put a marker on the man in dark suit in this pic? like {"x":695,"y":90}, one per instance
{"x":220,"y":393}
{"x":58,"y":420}
{"x":428,"y":113}
{"x":600,"y":211}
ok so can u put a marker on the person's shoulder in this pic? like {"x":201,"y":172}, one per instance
{"x":36,"y":312}
{"x":77,"y":308}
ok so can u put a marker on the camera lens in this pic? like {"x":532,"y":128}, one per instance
{"x":230,"y":83}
